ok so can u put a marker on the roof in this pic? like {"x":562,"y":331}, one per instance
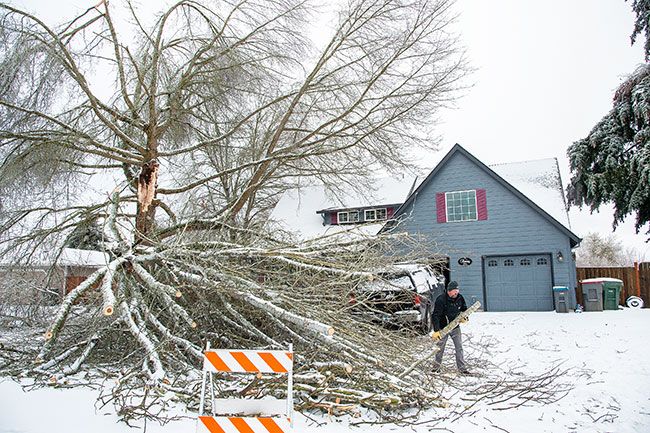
{"x":77,"y":257}
{"x":296,"y":211}
{"x":540,"y":181}
{"x":44,"y":257}
{"x":536,"y":183}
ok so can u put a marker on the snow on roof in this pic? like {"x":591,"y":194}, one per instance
{"x":46,"y":257}
{"x":296,"y":209}
{"x":77,"y":257}
{"x":386,"y":190}
{"x":540,"y":181}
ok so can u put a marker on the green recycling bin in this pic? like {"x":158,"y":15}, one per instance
{"x":611,"y":293}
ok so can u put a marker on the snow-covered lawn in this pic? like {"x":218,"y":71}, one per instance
{"x":606,"y":355}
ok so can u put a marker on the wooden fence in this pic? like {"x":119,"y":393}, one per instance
{"x":636,"y":281}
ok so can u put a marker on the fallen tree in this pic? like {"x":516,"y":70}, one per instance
{"x":212,"y":110}
{"x":215,"y":109}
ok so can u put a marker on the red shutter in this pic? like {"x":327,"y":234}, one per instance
{"x":390,"y":212}
{"x":441,"y":207}
{"x":334,"y":218}
{"x":481,"y":204}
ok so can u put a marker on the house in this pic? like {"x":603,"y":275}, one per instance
{"x":49,"y":274}
{"x":315,"y":211}
{"x":504,"y":230}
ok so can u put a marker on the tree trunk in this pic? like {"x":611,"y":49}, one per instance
{"x":147,"y":186}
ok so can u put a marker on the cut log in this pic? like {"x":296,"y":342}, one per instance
{"x":443,"y":333}
{"x":108,"y":310}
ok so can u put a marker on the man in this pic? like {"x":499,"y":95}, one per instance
{"x":446,"y":308}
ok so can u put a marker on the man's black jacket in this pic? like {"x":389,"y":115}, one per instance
{"x":447,"y":309}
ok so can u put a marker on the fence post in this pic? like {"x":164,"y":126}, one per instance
{"x":637,"y":278}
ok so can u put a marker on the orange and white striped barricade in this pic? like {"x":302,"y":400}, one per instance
{"x":247,"y":415}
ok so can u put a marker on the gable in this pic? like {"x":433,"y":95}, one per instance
{"x":461,"y":171}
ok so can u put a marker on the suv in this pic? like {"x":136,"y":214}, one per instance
{"x":403,"y":296}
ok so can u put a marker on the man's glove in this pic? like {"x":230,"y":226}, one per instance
{"x":464,"y":320}
{"x":436,"y":336}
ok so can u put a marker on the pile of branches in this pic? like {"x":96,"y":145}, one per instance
{"x":143,"y":320}
{"x":151,"y":310}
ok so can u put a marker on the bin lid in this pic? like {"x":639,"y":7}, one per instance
{"x":560,"y":288}
{"x":601,"y":280}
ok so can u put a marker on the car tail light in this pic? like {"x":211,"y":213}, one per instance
{"x":417,"y":301}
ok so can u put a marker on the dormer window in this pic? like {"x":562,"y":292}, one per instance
{"x":348,"y":217}
{"x":375,"y":214}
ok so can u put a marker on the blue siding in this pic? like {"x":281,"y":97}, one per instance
{"x":512,"y":227}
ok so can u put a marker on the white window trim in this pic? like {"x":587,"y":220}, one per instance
{"x":447,"y":206}
{"x":347,"y":216}
{"x":375,"y":210}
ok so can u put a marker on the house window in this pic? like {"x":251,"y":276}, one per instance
{"x":492,"y":263}
{"x":375,"y":214}
{"x":542,"y":261}
{"x":348,"y":217}
{"x":524,"y":262}
{"x":461,"y":206}
{"x":508,"y":262}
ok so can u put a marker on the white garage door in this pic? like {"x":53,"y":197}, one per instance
{"x":518,"y":283}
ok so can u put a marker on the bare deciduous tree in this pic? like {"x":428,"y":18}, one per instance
{"x":598,"y":250}
{"x":195,"y":121}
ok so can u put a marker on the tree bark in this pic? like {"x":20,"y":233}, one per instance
{"x":147,"y":186}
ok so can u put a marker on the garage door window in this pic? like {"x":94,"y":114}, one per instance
{"x":524,"y":262}
{"x":492,"y":263}
{"x":542,"y":262}
{"x":508,"y":262}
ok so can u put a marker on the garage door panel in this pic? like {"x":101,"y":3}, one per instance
{"x":526,"y":290}
{"x":519,"y":283}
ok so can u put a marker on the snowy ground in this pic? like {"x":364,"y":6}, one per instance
{"x":605,"y":353}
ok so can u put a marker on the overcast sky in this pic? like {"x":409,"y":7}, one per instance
{"x":545,"y":74}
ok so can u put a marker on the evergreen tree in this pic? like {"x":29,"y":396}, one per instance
{"x":612,"y":164}
{"x":642,"y":10}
